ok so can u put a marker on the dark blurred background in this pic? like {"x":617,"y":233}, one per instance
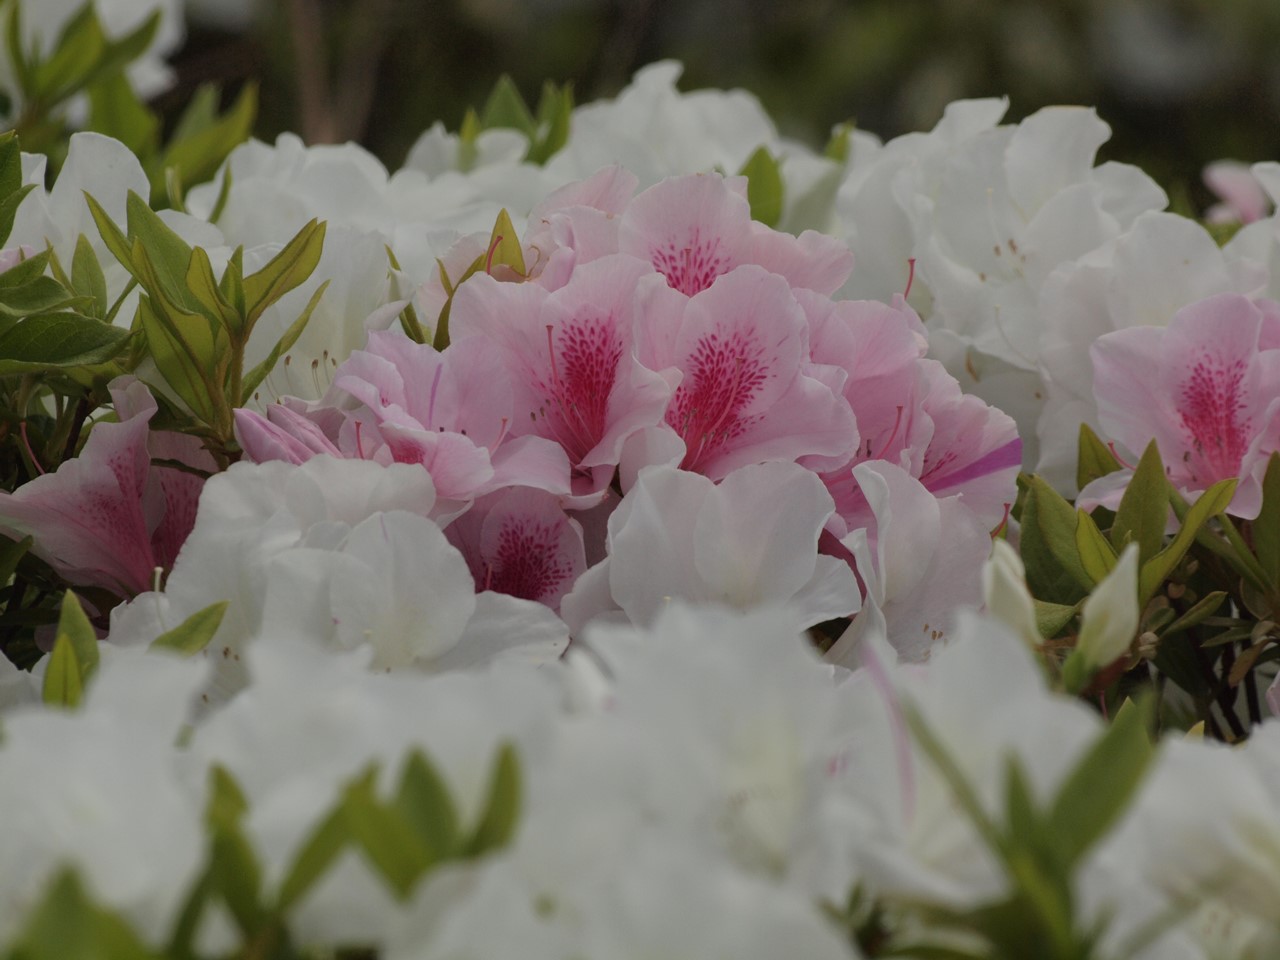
{"x":1181,"y":82}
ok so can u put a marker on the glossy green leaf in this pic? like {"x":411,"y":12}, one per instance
{"x":115,"y":239}
{"x":1055,"y":572}
{"x":286,"y":270}
{"x":204,"y":287}
{"x":41,"y":295}
{"x":764,"y":187}
{"x":502,"y":807}
{"x":1156,"y":570}
{"x":1096,"y":554}
{"x":1266,"y":528}
{"x":58,"y":341}
{"x":1100,"y":787}
{"x":163,"y":271}
{"x":1052,"y":618}
{"x":180,"y":366}
{"x":63,"y":682}
{"x":194,"y":633}
{"x":504,"y":246}
{"x":1094,"y":458}
{"x":1204,"y":608}
{"x":1144,"y":508}
{"x":87,"y":278}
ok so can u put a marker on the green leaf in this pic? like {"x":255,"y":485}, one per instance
{"x":40,"y":295}
{"x":24,"y":271}
{"x":9,"y":209}
{"x":1094,"y":459}
{"x":11,"y":552}
{"x":116,"y":111}
{"x":67,"y":926}
{"x":22,"y":65}
{"x":502,"y":808}
{"x":63,"y":683}
{"x":75,"y":626}
{"x":114,"y":238}
{"x":58,"y":341}
{"x":260,"y":372}
{"x":87,"y":279}
{"x":204,"y":287}
{"x":316,"y":856}
{"x":183,"y":369}
{"x":1144,"y":509}
{"x":837,"y":147}
{"x":1100,"y":787}
{"x":504,"y":246}
{"x":287,"y":269}
{"x":194,"y":633}
{"x":424,"y":799}
{"x":84,"y":56}
{"x":1052,"y":618}
{"x":163,"y":271}
{"x":764,"y":187}
{"x":1156,"y":570}
{"x":506,"y":108}
{"x":1206,"y":607}
{"x":555,"y":115}
{"x":199,"y":146}
{"x":1055,"y":571}
{"x":234,"y":871}
{"x":1266,"y":528}
{"x":386,"y":836}
{"x":1096,"y":555}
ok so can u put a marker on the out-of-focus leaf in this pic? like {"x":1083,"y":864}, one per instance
{"x":502,"y":807}
{"x":199,"y":146}
{"x":1052,"y":618}
{"x":67,"y":926}
{"x":1101,"y":786}
{"x":75,"y":626}
{"x":316,"y":856}
{"x":115,"y":110}
{"x":764,"y":187}
{"x":506,"y":108}
{"x":194,"y":633}
{"x":63,"y":682}
{"x":423,"y":798}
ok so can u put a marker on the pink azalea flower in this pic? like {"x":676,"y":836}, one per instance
{"x":696,"y":228}
{"x":402,"y":402}
{"x":1243,"y":199}
{"x":910,"y":412}
{"x":571,"y":364}
{"x":108,"y":518}
{"x":748,"y":393}
{"x":520,"y":542}
{"x":1206,"y":389}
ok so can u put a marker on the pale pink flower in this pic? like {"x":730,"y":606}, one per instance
{"x":520,"y":542}
{"x":748,"y":392}
{"x":1242,"y":198}
{"x":1206,"y":389}
{"x":570,"y":362}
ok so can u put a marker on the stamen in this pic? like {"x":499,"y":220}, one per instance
{"x":897,"y":422}
{"x":431,"y":401}
{"x":911,"y":276}
{"x":493,"y":249}
{"x":359,"y":445}
{"x":1111,"y":445}
{"x":488,"y":576}
{"x":26,"y":442}
{"x":1004,"y":522}
{"x":502,"y":433}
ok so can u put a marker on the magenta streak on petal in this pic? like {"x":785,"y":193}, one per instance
{"x":1009,"y":455}
{"x":590,"y":350}
{"x":724,"y":375}
{"x":1212,"y":411}
{"x":689,"y":267}
{"x":527,"y":562}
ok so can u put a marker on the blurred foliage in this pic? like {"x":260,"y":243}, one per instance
{"x":1182,"y":82}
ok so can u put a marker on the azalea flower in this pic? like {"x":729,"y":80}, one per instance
{"x":109,"y":518}
{"x":1206,"y":389}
